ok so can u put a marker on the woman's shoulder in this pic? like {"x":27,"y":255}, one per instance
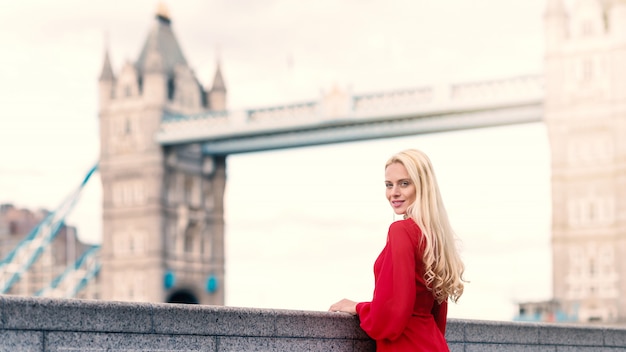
{"x":406,"y":227}
{"x":407,"y":224}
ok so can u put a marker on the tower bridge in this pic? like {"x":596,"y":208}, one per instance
{"x":165,"y":139}
{"x":339,"y":117}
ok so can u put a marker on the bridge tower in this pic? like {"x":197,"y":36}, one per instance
{"x":163,"y":224}
{"x":585,"y":114}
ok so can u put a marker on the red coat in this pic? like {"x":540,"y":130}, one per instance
{"x":403,"y":314}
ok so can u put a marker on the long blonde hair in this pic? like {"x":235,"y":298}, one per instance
{"x":443,"y":267}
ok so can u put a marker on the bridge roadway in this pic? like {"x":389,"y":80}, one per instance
{"x":45,"y":324}
{"x":341,"y":117}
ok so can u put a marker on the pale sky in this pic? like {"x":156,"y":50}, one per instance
{"x":304,"y":230}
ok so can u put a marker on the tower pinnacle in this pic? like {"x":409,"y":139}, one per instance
{"x":163,"y":13}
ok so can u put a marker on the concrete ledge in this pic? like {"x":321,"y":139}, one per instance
{"x":43,"y":324}
{"x":487,"y":336}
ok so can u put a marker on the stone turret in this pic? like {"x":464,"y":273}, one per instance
{"x":217,"y":94}
{"x":588,"y":19}
{"x":161,"y":75}
{"x":555,"y":20}
{"x":106,"y":81}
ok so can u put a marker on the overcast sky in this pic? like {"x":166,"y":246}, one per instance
{"x":305,"y":225}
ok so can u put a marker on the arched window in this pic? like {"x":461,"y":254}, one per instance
{"x":189,"y":239}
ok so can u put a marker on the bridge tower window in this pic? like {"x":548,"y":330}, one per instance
{"x":189,"y":238}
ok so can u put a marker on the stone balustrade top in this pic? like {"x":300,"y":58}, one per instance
{"x":45,"y":324}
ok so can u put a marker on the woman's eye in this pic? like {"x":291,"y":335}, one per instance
{"x":388,"y":185}
{"x":404,"y":183}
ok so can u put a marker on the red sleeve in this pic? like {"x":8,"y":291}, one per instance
{"x":387,"y":315}
{"x":440,"y":312}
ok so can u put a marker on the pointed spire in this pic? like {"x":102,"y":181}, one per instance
{"x":556,"y":23}
{"x":218,"y":80}
{"x":163,"y":13}
{"x":161,"y":42}
{"x":217,"y":95}
{"x":107,"y":70}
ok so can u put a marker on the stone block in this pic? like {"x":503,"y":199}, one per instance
{"x":502,"y":332}
{"x":213,"y":320}
{"x":271,"y":344}
{"x":568,"y":335}
{"x":456,"y":347}
{"x":240,"y":343}
{"x":22,"y":341}
{"x":29,"y":313}
{"x":498,"y":347}
{"x":587,"y":349}
{"x":364,"y":346}
{"x":455,"y":330}
{"x":86,"y":341}
{"x":615,"y":337}
{"x":318,"y":324}
{"x":311,"y":344}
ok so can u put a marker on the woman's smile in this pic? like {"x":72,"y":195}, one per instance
{"x":400,"y":190}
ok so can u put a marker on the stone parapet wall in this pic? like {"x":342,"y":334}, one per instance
{"x":42,"y":324}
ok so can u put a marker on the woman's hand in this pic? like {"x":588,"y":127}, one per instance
{"x":345,"y":305}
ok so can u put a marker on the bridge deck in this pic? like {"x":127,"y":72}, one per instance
{"x":340,"y":117}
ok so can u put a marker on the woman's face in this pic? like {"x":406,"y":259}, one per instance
{"x":400,"y":189}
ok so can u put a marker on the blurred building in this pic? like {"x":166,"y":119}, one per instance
{"x":585,"y":114}
{"x":547,"y":311}
{"x":63,"y":251}
{"x":163,"y":227}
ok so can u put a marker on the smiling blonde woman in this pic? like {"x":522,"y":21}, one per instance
{"x":419,"y":268}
